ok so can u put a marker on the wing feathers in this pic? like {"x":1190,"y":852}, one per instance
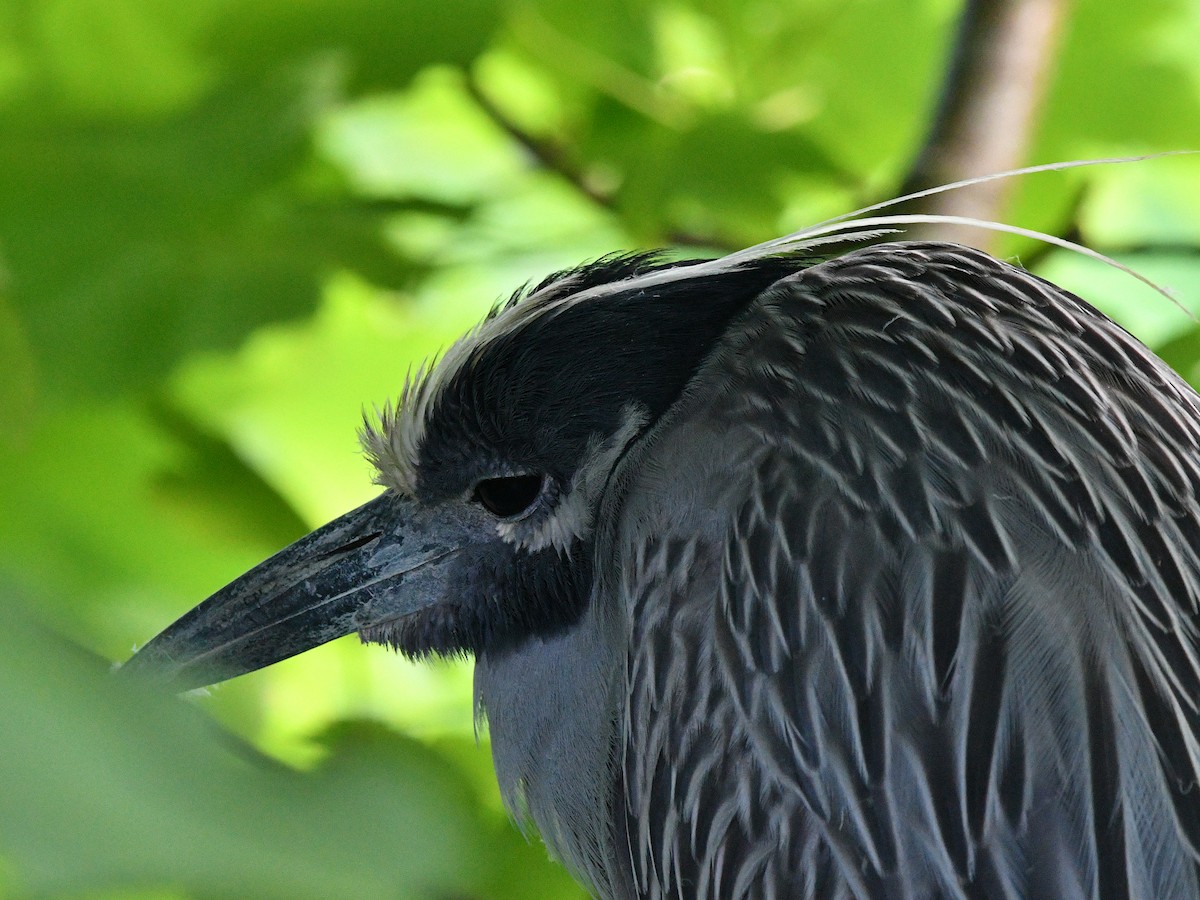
{"x":940,"y":623}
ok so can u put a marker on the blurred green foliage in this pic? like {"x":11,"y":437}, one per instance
{"x":227,"y":228}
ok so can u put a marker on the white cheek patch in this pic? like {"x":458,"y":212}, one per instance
{"x":571,"y":517}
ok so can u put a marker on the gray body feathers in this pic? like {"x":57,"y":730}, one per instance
{"x":901,"y":601}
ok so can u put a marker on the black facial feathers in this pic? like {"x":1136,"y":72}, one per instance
{"x":531,"y":397}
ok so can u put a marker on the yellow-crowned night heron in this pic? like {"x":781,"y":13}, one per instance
{"x":874,"y":577}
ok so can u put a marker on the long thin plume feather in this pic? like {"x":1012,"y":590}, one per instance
{"x":995,"y":176}
{"x":848,"y":231}
{"x":849,"y":226}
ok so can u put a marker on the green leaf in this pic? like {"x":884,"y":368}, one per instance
{"x":119,"y":59}
{"x":18,"y":377}
{"x":377,"y":45}
{"x":113,"y":520}
{"x":103,"y":784}
{"x":431,"y":142}
{"x":130,"y":247}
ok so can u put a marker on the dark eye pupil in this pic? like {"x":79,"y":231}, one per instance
{"x":507,"y":497}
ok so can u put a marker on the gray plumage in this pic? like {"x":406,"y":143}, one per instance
{"x":940,"y":638}
{"x":890,"y":590}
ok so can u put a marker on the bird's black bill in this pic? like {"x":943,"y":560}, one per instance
{"x":381,"y":561}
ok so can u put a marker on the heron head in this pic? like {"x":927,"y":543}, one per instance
{"x":494,"y":465}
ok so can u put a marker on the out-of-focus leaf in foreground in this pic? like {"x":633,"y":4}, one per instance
{"x":104,"y":783}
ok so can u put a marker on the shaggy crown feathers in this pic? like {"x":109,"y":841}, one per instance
{"x":625,"y":329}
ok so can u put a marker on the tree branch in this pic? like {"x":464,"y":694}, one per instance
{"x":547,"y":154}
{"x":1000,"y":70}
{"x":553,"y":158}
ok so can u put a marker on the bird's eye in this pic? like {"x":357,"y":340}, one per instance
{"x":509,"y":497}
